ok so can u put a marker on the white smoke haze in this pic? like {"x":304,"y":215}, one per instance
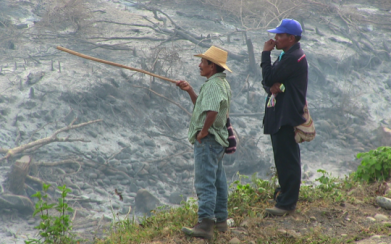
{"x":139,"y":146}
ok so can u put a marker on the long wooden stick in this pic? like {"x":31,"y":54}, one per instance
{"x":114,"y":64}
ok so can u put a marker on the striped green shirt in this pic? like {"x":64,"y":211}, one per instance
{"x":215,"y":95}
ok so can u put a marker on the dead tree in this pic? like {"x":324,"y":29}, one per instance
{"x":251,"y":56}
{"x":18,"y":179}
{"x":17,"y":176}
{"x":32,"y":146}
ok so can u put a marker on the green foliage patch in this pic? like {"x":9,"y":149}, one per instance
{"x":375,"y":165}
{"x":53,"y":229}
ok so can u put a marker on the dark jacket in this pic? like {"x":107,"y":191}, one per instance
{"x":292,"y":71}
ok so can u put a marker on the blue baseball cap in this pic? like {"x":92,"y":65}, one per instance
{"x":288,"y":26}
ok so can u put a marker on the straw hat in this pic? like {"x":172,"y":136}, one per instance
{"x":217,"y":56}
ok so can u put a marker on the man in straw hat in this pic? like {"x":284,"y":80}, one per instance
{"x":208,"y":133}
{"x":285,"y":82}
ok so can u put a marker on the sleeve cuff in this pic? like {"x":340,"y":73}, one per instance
{"x":266,"y":56}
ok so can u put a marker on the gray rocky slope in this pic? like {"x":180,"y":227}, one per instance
{"x":141,"y":142}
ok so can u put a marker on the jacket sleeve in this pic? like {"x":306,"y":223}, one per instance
{"x":279,"y":72}
{"x":266,"y":88}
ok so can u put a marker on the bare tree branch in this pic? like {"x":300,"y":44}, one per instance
{"x":44,"y":141}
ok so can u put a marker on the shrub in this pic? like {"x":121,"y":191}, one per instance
{"x":53,"y":229}
{"x":375,"y":165}
{"x":65,"y":15}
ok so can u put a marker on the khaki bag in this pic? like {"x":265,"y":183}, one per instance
{"x":305,"y":131}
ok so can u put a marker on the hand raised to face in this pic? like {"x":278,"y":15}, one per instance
{"x":269,"y":45}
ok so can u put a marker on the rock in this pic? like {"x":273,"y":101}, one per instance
{"x":149,"y":143}
{"x":92,"y":133}
{"x":371,"y":219}
{"x":230,"y":222}
{"x":240,"y":123}
{"x":383,"y":136}
{"x":152,"y":182}
{"x":289,"y":233}
{"x":101,"y":191}
{"x":325,"y":125}
{"x":33,"y":78}
{"x":29,"y":104}
{"x":22,"y":204}
{"x":82,"y":213}
{"x":22,"y":26}
{"x":122,"y":156}
{"x":145,"y":201}
{"x":313,"y":218}
{"x":176,"y":198}
{"x":31,"y":221}
{"x":334,"y":132}
{"x":70,"y":117}
{"x":133,"y":188}
{"x":381,"y":217}
{"x":234,"y":240}
{"x":116,"y":206}
{"x":101,"y":160}
{"x":92,"y":175}
{"x":125,"y":209}
{"x":76,"y":192}
{"x":125,"y":182}
{"x":384,"y":202}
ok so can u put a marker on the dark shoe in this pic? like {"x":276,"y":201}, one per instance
{"x":222,"y":226}
{"x":278,"y":211}
{"x":203,"y":229}
{"x":271,"y":201}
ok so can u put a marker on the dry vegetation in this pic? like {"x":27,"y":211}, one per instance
{"x":9,"y":35}
{"x":253,"y":14}
{"x":69,"y":16}
{"x":256,"y":13}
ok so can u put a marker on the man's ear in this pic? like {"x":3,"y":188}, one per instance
{"x":214,"y":67}
{"x":292,"y":38}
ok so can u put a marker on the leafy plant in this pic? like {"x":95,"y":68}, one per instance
{"x":327,"y":184}
{"x":53,"y":229}
{"x":375,"y":165}
{"x":245,"y":196}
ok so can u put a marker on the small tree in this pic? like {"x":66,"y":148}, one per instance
{"x":53,"y":229}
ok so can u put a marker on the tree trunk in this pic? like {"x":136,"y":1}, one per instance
{"x":18,"y":175}
{"x":253,"y":65}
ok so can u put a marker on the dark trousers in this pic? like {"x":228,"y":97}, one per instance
{"x":287,"y":160}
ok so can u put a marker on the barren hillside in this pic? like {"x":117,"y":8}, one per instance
{"x":140,"y":138}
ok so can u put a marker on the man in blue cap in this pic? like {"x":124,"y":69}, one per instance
{"x":285,"y":81}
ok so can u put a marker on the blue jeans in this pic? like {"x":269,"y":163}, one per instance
{"x":209,"y":179}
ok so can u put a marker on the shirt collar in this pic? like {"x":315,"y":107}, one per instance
{"x":294,"y":47}
{"x":291,"y":49}
{"x":222,"y":75}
